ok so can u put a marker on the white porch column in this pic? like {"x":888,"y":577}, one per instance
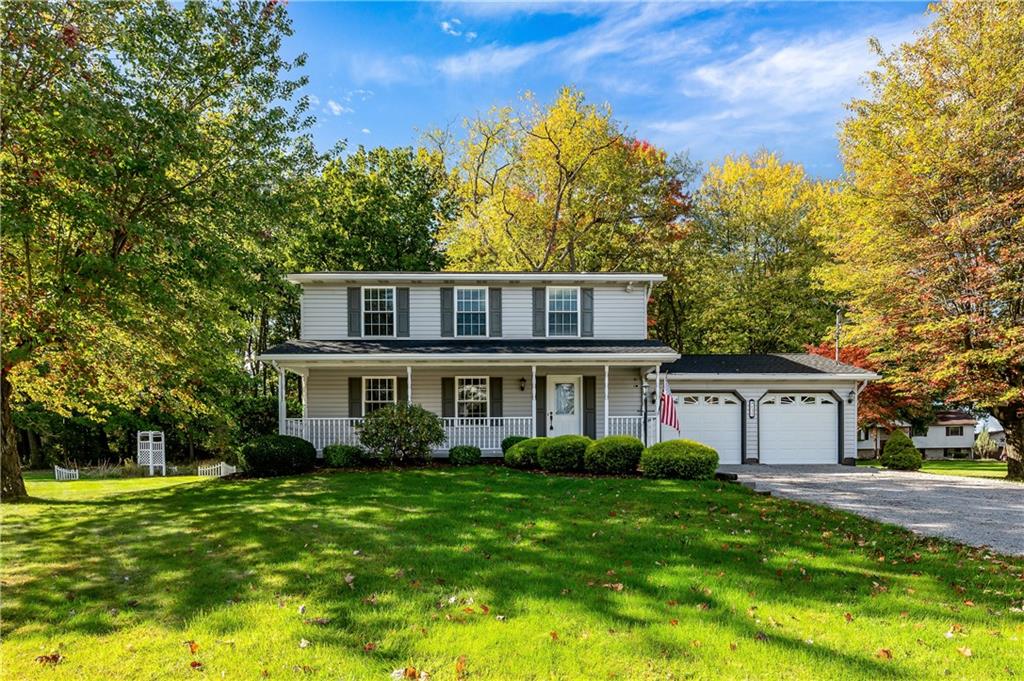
{"x":408,"y":384}
{"x":606,"y":400}
{"x":533,"y":399}
{"x":657,"y":403}
{"x":282,"y":412}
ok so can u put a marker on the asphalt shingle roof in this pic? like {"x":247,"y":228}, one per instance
{"x":774,"y":363}
{"x":499,"y":346}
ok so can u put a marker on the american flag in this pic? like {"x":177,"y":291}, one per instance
{"x":669,"y":417}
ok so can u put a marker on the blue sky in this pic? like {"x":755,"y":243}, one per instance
{"x":708,"y":79}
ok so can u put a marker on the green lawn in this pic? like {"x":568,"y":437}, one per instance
{"x":518,"y":575}
{"x":967,"y":467}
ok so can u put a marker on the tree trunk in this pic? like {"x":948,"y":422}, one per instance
{"x":1011,"y":417}
{"x":35,"y":451}
{"x":12,"y":485}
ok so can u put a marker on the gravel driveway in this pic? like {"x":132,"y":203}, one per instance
{"x":975,"y":511}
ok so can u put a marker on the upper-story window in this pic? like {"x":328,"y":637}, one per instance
{"x":471,"y":311}
{"x":378,"y":311}
{"x":954,"y":431}
{"x":563,"y":311}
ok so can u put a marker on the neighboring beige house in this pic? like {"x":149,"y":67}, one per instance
{"x":496,"y":354}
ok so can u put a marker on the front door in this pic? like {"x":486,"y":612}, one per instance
{"x":564,"y":407}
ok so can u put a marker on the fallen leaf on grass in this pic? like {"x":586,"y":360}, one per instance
{"x":193,"y":647}
{"x":196,"y":665}
{"x":965,"y":651}
{"x":349,"y":579}
{"x":848,"y":617}
{"x":732,"y":646}
{"x":883,"y":654}
{"x":674,"y":622}
{"x":761,"y":636}
{"x":969,"y":603}
{"x":318,"y":621}
{"x":554,"y":635}
{"x":303,"y":643}
{"x":369,"y":647}
{"x":617,"y":586}
{"x":460,"y":668}
{"x":52,"y":658}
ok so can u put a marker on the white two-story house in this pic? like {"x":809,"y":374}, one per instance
{"x":496,"y":354}
{"x":493,"y":354}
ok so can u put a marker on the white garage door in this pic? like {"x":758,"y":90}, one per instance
{"x":712,"y":419}
{"x":799,"y":428}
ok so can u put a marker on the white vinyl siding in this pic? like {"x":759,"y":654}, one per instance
{"x":618,"y":314}
{"x":327,"y":388}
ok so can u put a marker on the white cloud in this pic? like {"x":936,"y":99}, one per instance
{"x":337,"y":109}
{"x":451,"y":27}
{"x":384,"y":69}
{"x":365,"y":131}
{"x":314,"y":100}
{"x":807,"y":74}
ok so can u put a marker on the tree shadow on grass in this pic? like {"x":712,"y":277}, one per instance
{"x":429,"y":536}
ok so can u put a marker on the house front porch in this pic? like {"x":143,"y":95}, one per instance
{"x":481,"y":398}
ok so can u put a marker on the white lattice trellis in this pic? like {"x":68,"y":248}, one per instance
{"x":151,"y":451}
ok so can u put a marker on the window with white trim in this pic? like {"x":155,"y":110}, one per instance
{"x":563,"y":311}
{"x":378,"y":311}
{"x":472,"y":397}
{"x":378,"y":391}
{"x":471,"y":311}
{"x":954,"y":431}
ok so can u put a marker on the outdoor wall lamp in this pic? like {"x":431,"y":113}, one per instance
{"x":849,"y":398}
{"x":522,"y":385}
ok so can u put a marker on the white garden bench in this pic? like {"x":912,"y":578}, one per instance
{"x":65,"y":473}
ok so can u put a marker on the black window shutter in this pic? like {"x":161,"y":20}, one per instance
{"x":496,"y":396}
{"x":539,"y":310}
{"x":542,"y":406}
{"x":355,"y":396}
{"x":447,"y":312}
{"x":494,"y":311}
{"x":447,"y":397}
{"x":590,"y":406}
{"x":403,"y":389}
{"x":586,"y":312}
{"x":402,"y":294}
{"x":355,"y":309}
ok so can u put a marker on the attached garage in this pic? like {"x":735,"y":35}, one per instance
{"x":799,"y":428}
{"x":768,"y":409}
{"x":715,"y":419}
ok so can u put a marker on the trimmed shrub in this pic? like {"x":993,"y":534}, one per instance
{"x":511,"y":440}
{"x":900,"y":453}
{"x":524,"y":454}
{"x":613,"y":454}
{"x":562,"y":453}
{"x":401,"y":432}
{"x":683,"y":459}
{"x":464,"y":455}
{"x":270,"y":455}
{"x":344,"y":456}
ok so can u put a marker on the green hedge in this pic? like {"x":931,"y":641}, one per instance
{"x":511,"y":440}
{"x":464,"y":455}
{"x":344,"y":456}
{"x":684,"y":459}
{"x":562,"y":453}
{"x":524,"y":454}
{"x":272,"y":455}
{"x":900,"y":453}
{"x":613,"y":454}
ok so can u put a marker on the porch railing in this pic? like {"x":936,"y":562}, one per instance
{"x":485,"y":433}
{"x":324,"y":431}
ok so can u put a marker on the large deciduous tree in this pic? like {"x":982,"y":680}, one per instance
{"x":560,"y":187}
{"x":144,"y":148}
{"x":379,"y":209}
{"x":742,"y":278}
{"x":927,"y":233}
